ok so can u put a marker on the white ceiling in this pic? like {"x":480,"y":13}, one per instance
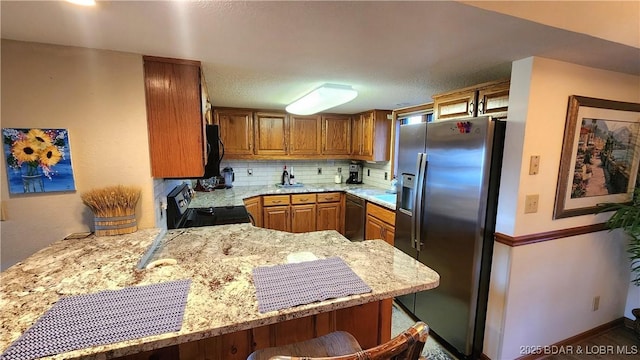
{"x":267,"y":54}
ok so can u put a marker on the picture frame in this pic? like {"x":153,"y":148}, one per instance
{"x":38,"y":160}
{"x":600,"y":155}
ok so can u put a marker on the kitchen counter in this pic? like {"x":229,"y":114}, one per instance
{"x":219,"y":260}
{"x":235,"y":195}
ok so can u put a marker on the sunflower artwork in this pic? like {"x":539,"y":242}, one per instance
{"x":38,"y":160}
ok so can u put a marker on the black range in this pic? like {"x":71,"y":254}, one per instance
{"x":180,"y":216}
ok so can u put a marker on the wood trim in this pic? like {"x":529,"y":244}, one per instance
{"x":549,"y":235}
{"x":171,"y":60}
{"x":580,"y":337}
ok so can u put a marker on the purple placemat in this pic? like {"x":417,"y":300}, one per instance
{"x":283,"y":286}
{"x":106,"y":317}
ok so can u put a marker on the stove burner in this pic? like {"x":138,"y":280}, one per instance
{"x":206,"y":211}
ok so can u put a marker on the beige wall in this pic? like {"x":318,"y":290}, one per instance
{"x":99,"y":97}
{"x":542,"y":293}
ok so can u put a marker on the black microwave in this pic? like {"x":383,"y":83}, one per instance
{"x":215,"y":152}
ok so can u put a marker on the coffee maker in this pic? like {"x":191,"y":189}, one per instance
{"x":355,"y":174}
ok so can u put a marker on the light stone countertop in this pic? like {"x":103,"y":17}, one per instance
{"x":235,"y":195}
{"x":218,"y":260}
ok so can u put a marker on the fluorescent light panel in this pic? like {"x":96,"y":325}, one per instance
{"x":83,"y":2}
{"x":323,"y":98}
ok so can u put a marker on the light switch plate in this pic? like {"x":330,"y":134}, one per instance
{"x":531,"y":204}
{"x":534,"y":165}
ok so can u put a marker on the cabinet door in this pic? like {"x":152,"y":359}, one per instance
{"x":494,"y":100}
{"x":254,"y":208}
{"x":389,"y":234}
{"x":304,"y":135}
{"x":336,"y":135}
{"x":356,"y":134}
{"x":276,"y":218}
{"x":456,"y":105}
{"x":374,"y":228}
{"x":328,"y":216}
{"x":368,"y":135}
{"x":236,"y":131}
{"x":303,"y":218}
{"x":174,"y":118}
{"x":271,"y":134}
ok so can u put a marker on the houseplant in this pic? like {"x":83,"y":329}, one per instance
{"x":626,"y":216}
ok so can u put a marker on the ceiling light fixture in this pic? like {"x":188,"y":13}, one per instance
{"x":322,"y":98}
{"x":83,"y":2}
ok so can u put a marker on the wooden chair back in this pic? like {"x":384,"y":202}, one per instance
{"x":406,"y":346}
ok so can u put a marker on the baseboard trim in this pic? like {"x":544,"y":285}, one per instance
{"x":580,"y":337}
{"x":549,"y":235}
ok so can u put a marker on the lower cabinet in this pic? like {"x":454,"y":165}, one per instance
{"x":303,"y":218}
{"x":300,"y":213}
{"x":369,"y":323}
{"x":254,"y":208}
{"x":380,"y":223}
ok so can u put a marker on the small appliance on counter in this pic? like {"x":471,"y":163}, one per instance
{"x":355,"y":173}
{"x":229,"y":177}
{"x":180,"y":216}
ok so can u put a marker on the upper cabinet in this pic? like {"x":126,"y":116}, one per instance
{"x":336,"y":135}
{"x":371,"y":135}
{"x":236,"y":130}
{"x":304,"y":135}
{"x":490,"y":98}
{"x":255,"y":134}
{"x":176,"y":115}
{"x":271,"y":133}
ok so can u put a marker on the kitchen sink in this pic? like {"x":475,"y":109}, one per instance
{"x":391,"y":198}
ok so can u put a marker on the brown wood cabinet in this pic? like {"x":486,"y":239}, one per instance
{"x":490,"y":98}
{"x":369,"y":323}
{"x":175,"y":117}
{"x":304,"y":135}
{"x":380,"y":223}
{"x":371,"y":136}
{"x":302,"y":212}
{"x":236,"y":130}
{"x":329,"y":213}
{"x":336,"y":135}
{"x":276,"y":218}
{"x":254,"y":207}
{"x":271,"y":133}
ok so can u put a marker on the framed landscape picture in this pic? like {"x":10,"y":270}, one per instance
{"x":38,"y":160}
{"x":600,"y":155}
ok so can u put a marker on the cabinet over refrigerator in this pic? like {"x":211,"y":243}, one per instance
{"x":449,"y":175}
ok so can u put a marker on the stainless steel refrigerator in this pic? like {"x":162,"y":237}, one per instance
{"x":449,"y":174}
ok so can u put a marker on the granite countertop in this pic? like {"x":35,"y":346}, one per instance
{"x":218,"y":260}
{"x":235,"y":195}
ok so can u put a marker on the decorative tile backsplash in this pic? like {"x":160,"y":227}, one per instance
{"x":269,"y":173}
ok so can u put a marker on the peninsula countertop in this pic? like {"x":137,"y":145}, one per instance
{"x":218,"y":260}
{"x":235,"y":195}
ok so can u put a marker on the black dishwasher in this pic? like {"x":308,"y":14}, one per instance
{"x":354,"y":217}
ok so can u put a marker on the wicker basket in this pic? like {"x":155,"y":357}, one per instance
{"x":115,"y":225}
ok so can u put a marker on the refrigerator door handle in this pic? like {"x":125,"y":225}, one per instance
{"x":415,"y":202}
{"x":416,"y":228}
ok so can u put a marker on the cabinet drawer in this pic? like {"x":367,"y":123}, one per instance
{"x":381,"y":213}
{"x":329,"y":197}
{"x":303,"y":199}
{"x":272,"y":200}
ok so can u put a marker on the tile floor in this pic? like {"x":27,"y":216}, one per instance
{"x":400,"y":321}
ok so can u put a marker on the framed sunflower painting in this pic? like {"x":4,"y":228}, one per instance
{"x":38,"y":160}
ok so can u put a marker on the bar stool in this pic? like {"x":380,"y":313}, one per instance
{"x":341,"y":345}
